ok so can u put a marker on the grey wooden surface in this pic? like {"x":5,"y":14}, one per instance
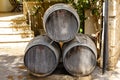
{"x":61,"y":22}
{"x":41,"y":56}
{"x":61,"y":25}
{"x":79,"y":56}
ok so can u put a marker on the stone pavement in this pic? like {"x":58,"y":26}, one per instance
{"x":12,"y":67}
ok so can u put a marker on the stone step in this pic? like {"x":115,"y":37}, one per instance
{"x":14,"y":45}
{"x":10,"y":34}
{"x":11,"y":23}
{"x":15,"y":30}
{"x":11,"y":16}
{"x":5,"y":24}
{"x":15,"y":38}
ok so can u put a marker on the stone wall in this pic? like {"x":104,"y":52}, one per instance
{"x":113,"y":33}
{"x":92,"y":26}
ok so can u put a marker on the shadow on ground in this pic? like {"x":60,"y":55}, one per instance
{"x":12,"y":68}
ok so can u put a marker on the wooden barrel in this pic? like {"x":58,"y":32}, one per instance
{"x":41,"y":56}
{"x":61,"y":22}
{"x":80,"y":55}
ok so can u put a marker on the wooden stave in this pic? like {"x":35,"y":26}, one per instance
{"x":74,"y":43}
{"x":56,"y":7}
{"x":53,"y":47}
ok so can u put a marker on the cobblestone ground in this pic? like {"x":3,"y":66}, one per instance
{"x":12,"y":67}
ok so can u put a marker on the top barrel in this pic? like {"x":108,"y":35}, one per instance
{"x":61,"y":22}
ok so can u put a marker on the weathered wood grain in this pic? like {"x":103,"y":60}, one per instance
{"x":79,"y":56}
{"x":42,"y":56}
{"x":61,"y":22}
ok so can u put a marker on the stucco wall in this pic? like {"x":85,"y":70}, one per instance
{"x":91,"y":23}
{"x":5,"y":6}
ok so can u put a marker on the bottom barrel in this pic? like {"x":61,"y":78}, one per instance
{"x":80,"y":55}
{"x":42,"y":56}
